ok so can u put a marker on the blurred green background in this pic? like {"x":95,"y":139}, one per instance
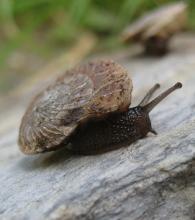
{"x":40,"y":29}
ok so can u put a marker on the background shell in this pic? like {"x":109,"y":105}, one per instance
{"x":162,"y":22}
{"x":90,"y":90}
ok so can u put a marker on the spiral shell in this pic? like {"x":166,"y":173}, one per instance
{"x":91,"y":90}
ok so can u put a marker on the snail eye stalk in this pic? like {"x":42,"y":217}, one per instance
{"x":148,"y":107}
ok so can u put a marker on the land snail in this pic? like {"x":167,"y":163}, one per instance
{"x":86,"y":110}
{"x":155,"y":29}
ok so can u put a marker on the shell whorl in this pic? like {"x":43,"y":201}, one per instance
{"x":90,"y":90}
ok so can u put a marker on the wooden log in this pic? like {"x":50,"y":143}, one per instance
{"x":151,"y":179}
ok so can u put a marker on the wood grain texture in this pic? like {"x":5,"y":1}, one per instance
{"x":151,"y":179}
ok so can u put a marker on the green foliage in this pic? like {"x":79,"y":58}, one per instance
{"x":192,"y":13}
{"x":61,"y":22}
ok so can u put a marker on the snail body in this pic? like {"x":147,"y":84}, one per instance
{"x":87,"y":111}
{"x":117,"y":130}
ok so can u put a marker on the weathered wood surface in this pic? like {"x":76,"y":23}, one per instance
{"x":151,"y":179}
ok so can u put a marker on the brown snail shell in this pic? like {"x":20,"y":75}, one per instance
{"x":157,"y":26}
{"x":89,"y":90}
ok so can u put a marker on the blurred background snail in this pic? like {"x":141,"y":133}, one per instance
{"x":155,"y":29}
{"x":87,"y":111}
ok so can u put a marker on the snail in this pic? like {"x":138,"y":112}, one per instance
{"x":87,"y":111}
{"x":155,"y":29}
